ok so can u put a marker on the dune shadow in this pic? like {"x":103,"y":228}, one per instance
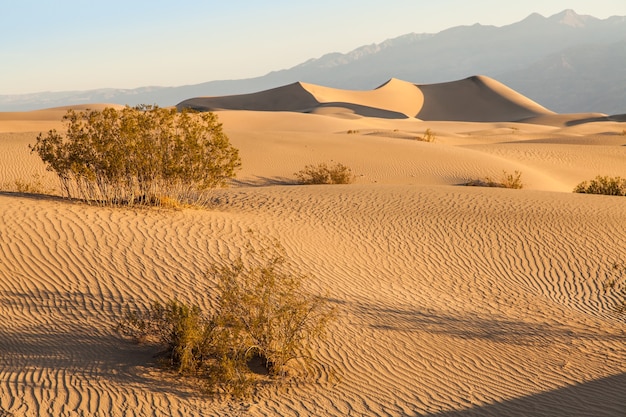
{"x":36,"y":196}
{"x":582,"y":121}
{"x":259,"y":181}
{"x":605,"y":397}
{"x":358,"y":109}
{"x":475,"y":326}
{"x":75,"y":335}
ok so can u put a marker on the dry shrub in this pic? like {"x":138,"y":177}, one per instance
{"x":34,"y":186}
{"x":324,"y":174}
{"x":263,"y":314}
{"x":603,"y":185}
{"x":428,"y":136}
{"x":513,"y":181}
{"x":616,"y":282}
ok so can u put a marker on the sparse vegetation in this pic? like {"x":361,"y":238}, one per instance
{"x":324,"y":174}
{"x":428,"y":136}
{"x":352,"y":132}
{"x":263,"y":314}
{"x":508,"y":180}
{"x":603,"y":185}
{"x":34,"y":186}
{"x":143,"y":155}
{"x":616,"y":282}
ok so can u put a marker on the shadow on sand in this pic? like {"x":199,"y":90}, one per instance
{"x":604,"y":397}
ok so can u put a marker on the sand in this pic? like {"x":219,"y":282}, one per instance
{"x":453,"y":301}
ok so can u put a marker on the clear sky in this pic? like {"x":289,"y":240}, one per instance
{"x":56,"y":45}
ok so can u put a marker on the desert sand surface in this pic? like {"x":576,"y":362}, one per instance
{"x":452,"y":301}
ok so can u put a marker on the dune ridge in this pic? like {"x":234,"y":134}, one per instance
{"x":478,"y":99}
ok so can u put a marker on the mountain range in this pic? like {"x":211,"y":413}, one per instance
{"x":566,"y":62}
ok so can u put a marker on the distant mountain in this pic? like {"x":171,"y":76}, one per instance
{"x":566,"y":62}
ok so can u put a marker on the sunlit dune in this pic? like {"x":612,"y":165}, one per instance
{"x":452,"y":301}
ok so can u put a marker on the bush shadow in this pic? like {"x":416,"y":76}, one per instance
{"x":259,"y":181}
{"x":74,"y":334}
{"x":475,"y":326}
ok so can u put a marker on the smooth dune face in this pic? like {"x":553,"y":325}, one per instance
{"x":452,"y":301}
{"x":475,"y":99}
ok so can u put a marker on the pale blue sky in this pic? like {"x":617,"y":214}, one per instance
{"x":55,"y":45}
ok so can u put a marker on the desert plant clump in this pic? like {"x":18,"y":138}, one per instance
{"x":263,"y":316}
{"x":139,"y":155}
{"x":507,"y":180}
{"x":34,"y":186}
{"x":324,"y":174}
{"x":616,"y":282}
{"x":428,"y":136}
{"x":603,"y":185}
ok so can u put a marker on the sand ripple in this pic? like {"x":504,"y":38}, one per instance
{"x":449,"y":298}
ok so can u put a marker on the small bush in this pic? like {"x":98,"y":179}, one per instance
{"x":616,"y":282}
{"x":323,"y":174}
{"x":513,"y":181}
{"x":603,"y":185}
{"x":262,"y":314}
{"x":35,"y":186}
{"x":428,"y":136}
{"x":187,"y":336}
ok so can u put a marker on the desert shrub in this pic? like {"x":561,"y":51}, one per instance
{"x":182,"y":329}
{"x":428,"y":136}
{"x":616,"y":282}
{"x":603,"y":185}
{"x":267,"y":310}
{"x":324,"y":174}
{"x":34,"y":186}
{"x":141,"y":155}
{"x":262,"y":314}
{"x":507,"y":180}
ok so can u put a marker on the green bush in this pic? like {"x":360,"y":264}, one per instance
{"x":262,"y":314}
{"x":323,"y":174}
{"x":603,"y":185}
{"x":513,"y":181}
{"x":142,"y":155}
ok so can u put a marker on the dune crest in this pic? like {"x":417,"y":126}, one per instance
{"x":474,"y":99}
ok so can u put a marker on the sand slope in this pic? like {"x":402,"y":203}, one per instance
{"x":453,"y":301}
{"x":478,"y":98}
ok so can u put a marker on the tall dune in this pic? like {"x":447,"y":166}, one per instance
{"x":479,"y":99}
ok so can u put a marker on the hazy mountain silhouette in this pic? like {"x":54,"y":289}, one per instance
{"x":566,"y":62}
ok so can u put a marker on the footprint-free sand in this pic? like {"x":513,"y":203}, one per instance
{"x":452,"y":301}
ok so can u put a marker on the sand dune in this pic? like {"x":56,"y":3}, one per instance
{"x":479,"y":99}
{"x":453,"y":301}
